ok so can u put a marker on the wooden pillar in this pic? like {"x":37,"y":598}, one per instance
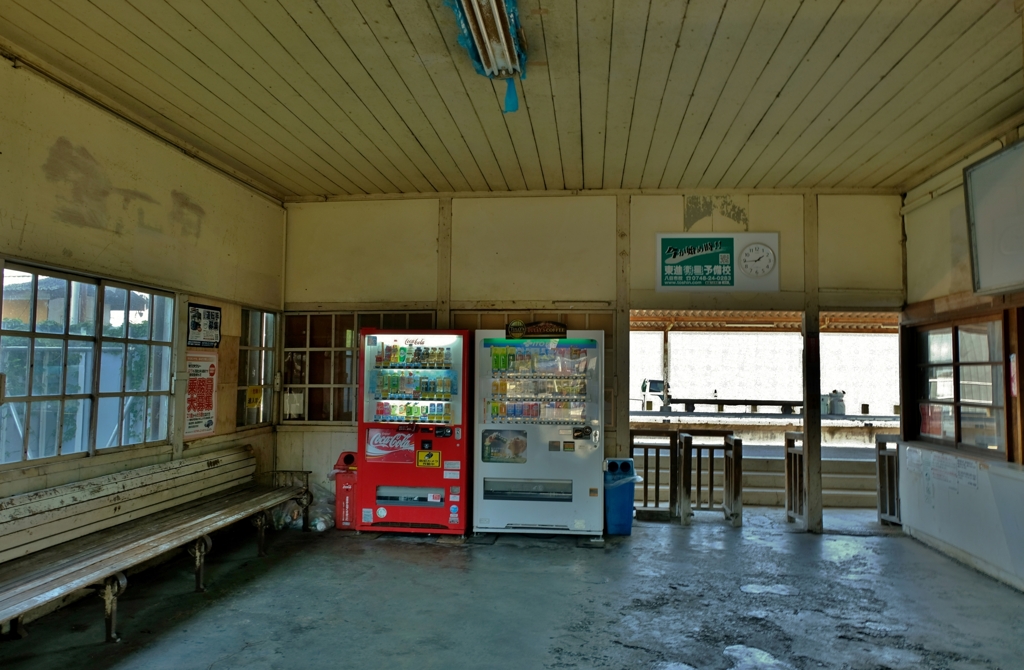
{"x":179,"y":385}
{"x":812,"y":368}
{"x":665,"y":367}
{"x":444,"y":263}
{"x":620,"y":384}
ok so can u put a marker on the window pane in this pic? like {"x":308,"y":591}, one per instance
{"x":268,"y":404}
{"x":368,"y":321}
{"x":395,"y":321}
{"x":319,"y":368}
{"x":343,"y":367}
{"x":163,"y":318}
{"x":12,"y":431}
{"x":77,"y":416}
{"x":343,"y":406}
{"x":44,"y":422}
{"x":51,"y":301}
{"x":108,"y":423}
{"x":937,"y":383}
{"x":983,"y":427}
{"x":937,"y":346}
{"x":268,"y":367}
{"x":137,"y":375}
{"x":111,"y":364}
{"x":247,"y":315}
{"x":320,"y":330}
{"x":295,"y":331}
{"x":156,"y":418}
{"x":982,"y":384}
{"x":243,"y":366}
{"x":293,"y":405}
{"x":252,"y":377}
{"x":240,"y":408}
{"x":981,"y":342}
{"x":344,"y":331}
{"x":114,"y":300}
{"x":83,"y":309}
{"x":80,"y":355}
{"x":47,"y":366}
{"x":421,"y":321}
{"x":937,"y":421}
{"x":269,"y":324}
{"x":138,"y":316}
{"x":17,"y":307}
{"x":319,"y":404}
{"x":134,"y":429}
{"x":160,"y":369}
{"x":14,"y":364}
{"x":294,"y":367}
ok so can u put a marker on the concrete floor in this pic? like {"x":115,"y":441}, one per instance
{"x":668,"y":597}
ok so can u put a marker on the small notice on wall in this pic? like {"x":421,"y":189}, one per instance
{"x":717,"y":262}
{"x":203,"y":326}
{"x":253,"y":397}
{"x":201,"y":398}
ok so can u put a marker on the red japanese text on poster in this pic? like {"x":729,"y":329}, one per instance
{"x":201,"y":399}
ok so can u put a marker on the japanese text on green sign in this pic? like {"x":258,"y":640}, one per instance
{"x":697,"y":262}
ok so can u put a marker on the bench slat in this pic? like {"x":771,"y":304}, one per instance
{"x":113,"y":498}
{"x":86,"y":488}
{"x":95,"y":544}
{"x":215,"y":513}
{"x":85,"y":529}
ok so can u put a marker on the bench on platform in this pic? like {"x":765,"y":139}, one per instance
{"x":59,"y":540}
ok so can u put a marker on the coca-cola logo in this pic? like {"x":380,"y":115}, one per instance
{"x":414,"y":341}
{"x":389,"y":446}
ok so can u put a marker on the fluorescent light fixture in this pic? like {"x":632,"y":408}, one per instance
{"x":488,"y":22}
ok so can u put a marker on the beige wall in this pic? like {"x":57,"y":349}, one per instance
{"x":373,"y":251}
{"x":559,"y":248}
{"x":84,"y":190}
{"x":938,"y":257}
{"x":860,"y":242}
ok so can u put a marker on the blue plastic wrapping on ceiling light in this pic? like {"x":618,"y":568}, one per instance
{"x":466,"y":41}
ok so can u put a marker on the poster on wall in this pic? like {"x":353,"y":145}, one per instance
{"x":717,"y":262}
{"x":203,"y":326}
{"x":201,"y":397}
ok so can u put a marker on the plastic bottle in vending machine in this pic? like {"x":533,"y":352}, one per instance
{"x":394,"y":353}
{"x":393,"y":384}
{"x":447,"y":412}
{"x":385,"y":412}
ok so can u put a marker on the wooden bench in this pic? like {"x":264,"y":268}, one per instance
{"x":690,"y":404}
{"x":56,"y":541}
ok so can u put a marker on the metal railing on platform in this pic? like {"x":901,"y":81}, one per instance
{"x":887,"y":467}
{"x":648,"y":448}
{"x":796,"y":509}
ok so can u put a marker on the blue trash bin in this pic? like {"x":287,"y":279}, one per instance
{"x":619,"y":483}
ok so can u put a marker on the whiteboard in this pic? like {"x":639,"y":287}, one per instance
{"x":994,"y":190}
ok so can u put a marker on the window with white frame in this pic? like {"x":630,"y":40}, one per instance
{"x":321,"y":361}
{"x":87,"y":364}
{"x":256,"y":368}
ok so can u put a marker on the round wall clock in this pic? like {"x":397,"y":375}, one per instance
{"x":757,"y":260}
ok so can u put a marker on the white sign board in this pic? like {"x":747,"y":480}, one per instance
{"x":717,"y":262}
{"x":201,"y":397}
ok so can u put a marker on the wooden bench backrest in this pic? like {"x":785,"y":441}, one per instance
{"x":34,"y":521}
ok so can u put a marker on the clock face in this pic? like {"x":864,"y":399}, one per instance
{"x":757,"y":260}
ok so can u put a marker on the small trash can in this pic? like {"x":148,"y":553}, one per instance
{"x":619,"y":483}
{"x":344,"y":476}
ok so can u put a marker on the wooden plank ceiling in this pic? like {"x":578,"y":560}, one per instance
{"x":332,"y":97}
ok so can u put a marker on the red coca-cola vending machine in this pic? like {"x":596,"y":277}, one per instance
{"x":413,"y":461}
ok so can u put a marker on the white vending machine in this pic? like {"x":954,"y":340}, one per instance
{"x":538,"y":442}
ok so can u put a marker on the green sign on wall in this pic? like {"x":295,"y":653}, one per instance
{"x":697,"y":261}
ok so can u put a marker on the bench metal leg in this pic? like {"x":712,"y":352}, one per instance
{"x":17,"y":631}
{"x":198,"y":550}
{"x":113,"y":587}
{"x":260,"y":521}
